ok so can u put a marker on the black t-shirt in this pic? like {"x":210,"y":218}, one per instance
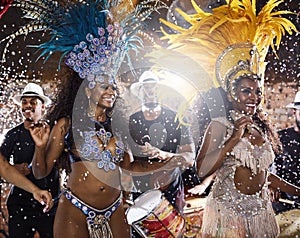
{"x":164,"y":133}
{"x":288,"y":163}
{"x":19,"y":145}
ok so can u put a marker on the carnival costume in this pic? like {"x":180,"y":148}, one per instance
{"x":97,"y":220}
{"x":93,"y":37}
{"x":230,"y":42}
{"x":231,"y":213}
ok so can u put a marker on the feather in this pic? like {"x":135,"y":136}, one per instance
{"x":211,"y":33}
{"x":229,"y":24}
{"x":71,"y":23}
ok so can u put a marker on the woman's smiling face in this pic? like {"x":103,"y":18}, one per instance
{"x":104,"y":94}
{"x":247,"y":96}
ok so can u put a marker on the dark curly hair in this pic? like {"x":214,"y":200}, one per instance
{"x":63,"y":106}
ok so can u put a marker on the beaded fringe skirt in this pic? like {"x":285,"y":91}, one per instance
{"x":223,"y":222}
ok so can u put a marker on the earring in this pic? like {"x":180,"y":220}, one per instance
{"x":110,"y":113}
{"x":91,"y":109}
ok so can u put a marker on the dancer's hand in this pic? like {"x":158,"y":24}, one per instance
{"x":40,"y":133}
{"x":274,"y":194}
{"x":44,"y":197}
{"x":23,"y":168}
{"x":153,"y":152}
{"x":198,"y":189}
{"x":240,"y":125}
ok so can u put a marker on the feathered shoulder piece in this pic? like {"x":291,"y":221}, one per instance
{"x":237,"y":22}
{"x":93,"y":36}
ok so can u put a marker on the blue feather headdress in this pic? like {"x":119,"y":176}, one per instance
{"x":92,"y":36}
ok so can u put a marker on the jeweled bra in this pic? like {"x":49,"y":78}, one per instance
{"x":94,"y":146}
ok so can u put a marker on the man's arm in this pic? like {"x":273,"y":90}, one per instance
{"x":185,"y":154}
{"x":282,"y":185}
{"x":13,"y":176}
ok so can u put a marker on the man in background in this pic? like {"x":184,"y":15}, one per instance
{"x":162,"y":147}
{"x":25,"y":213}
{"x":287,"y":164}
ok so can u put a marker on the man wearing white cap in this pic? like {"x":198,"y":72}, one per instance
{"x":25,"y":214}
{"x":288,"y":163}
{"x":163,"y":147}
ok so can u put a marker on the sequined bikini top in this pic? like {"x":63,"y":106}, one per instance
{"x":98,"y":144}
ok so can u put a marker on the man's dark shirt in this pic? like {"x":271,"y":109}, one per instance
{"x":19,"y":145}
{"x":288,"y":163}
{"x":163,"y":133}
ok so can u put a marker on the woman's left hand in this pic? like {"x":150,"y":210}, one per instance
{"x":198,"y":189}
{"x":40,"y":133}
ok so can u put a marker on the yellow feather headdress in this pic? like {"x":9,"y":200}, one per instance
{"x":202,"y":54}
{"x":234,"y":28}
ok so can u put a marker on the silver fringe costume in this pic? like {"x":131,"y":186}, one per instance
{"x":230,"y":213}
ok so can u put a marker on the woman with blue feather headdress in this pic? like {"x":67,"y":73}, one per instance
{"x":93,"y":38}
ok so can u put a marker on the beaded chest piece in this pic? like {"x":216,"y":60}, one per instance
{"x":94,"y":148}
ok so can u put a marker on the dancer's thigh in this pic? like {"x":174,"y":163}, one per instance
{"x":69,"y":221}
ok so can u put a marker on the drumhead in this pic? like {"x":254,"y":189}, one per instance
{"x":143,"y":206}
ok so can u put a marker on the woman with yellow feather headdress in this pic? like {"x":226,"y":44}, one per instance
{"x":93,"y":37}
{"x":231,"y":44}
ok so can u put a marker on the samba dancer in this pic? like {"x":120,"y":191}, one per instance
{"x":231,"y":45}
{"x":239,"y":149}
{"x":94,"y":36}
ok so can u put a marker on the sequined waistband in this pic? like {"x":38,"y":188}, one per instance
{"x":90,"y":211}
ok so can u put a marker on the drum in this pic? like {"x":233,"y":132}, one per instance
{"x":152,"y":215}
{"x":289,"y":223}
{"x":193,"y":213}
